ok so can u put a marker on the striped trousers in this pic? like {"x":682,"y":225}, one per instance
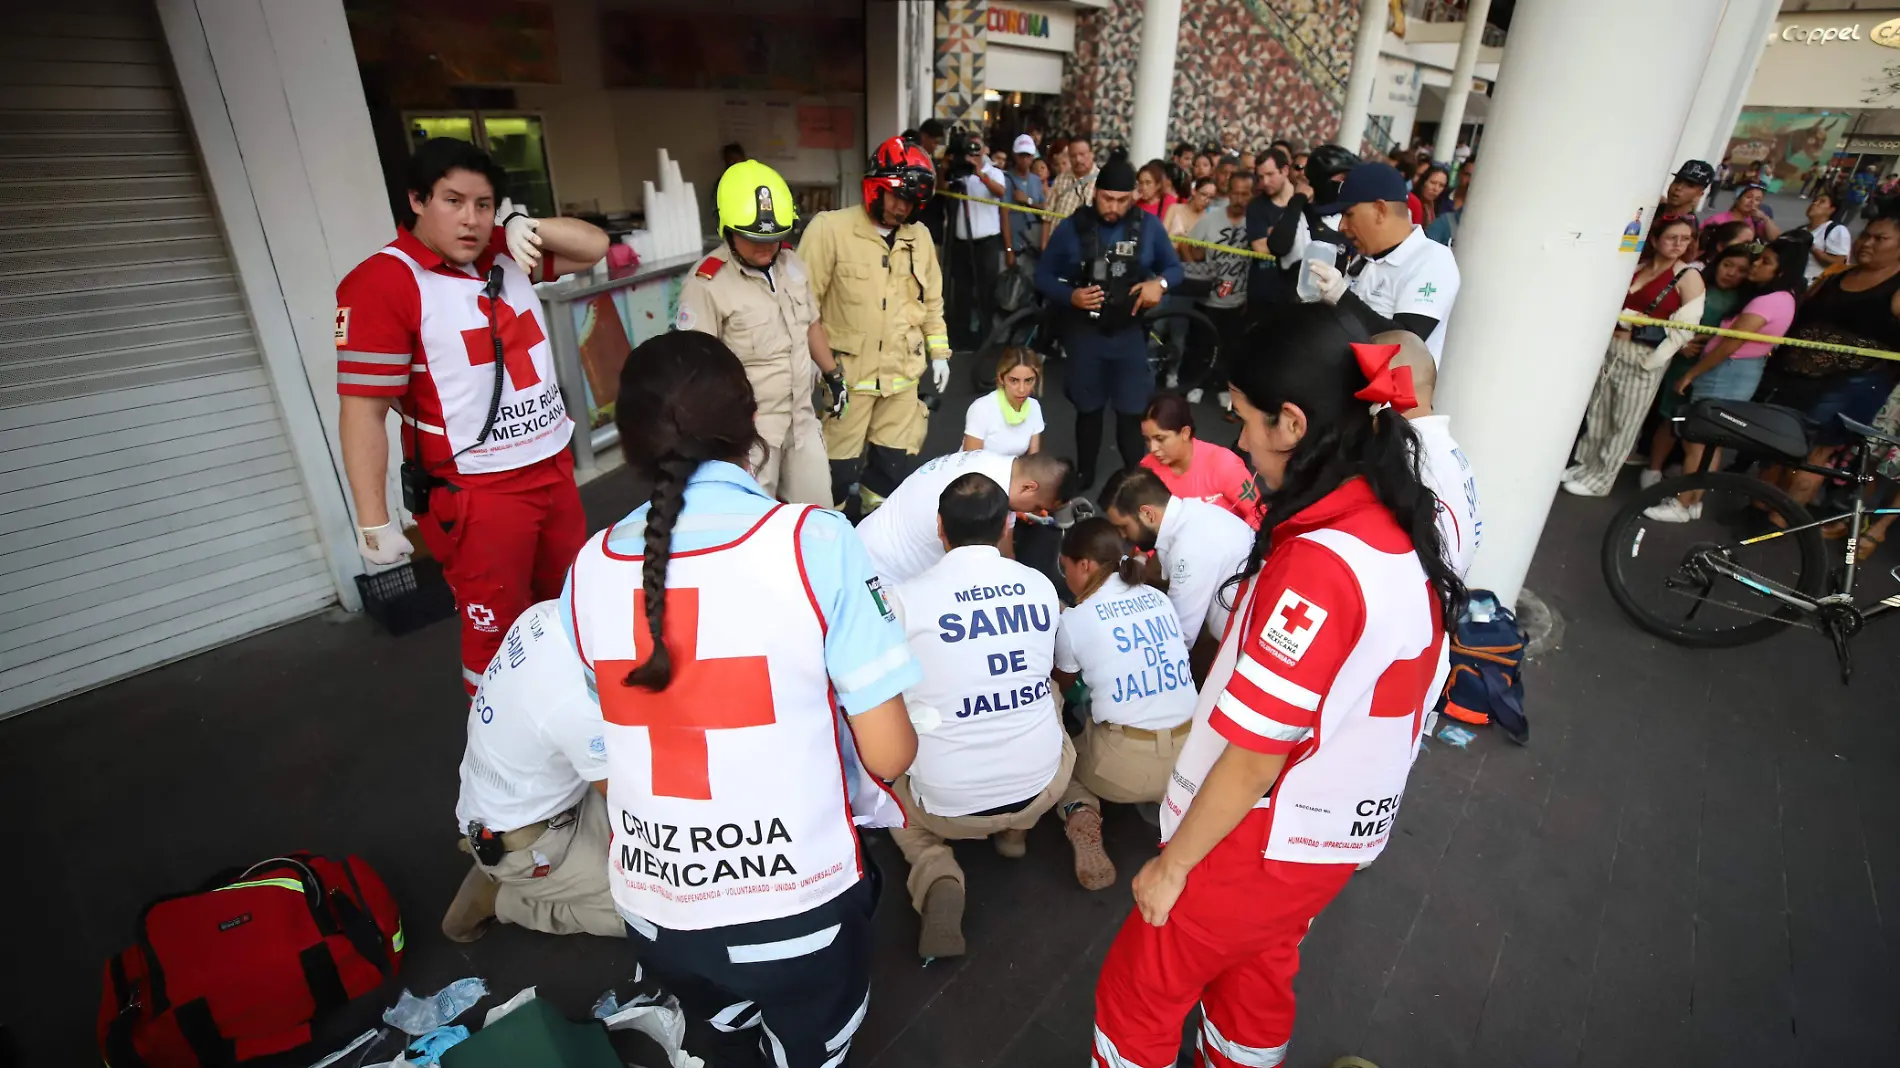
{"x":1625,"y":389}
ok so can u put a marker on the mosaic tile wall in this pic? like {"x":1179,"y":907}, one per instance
{"x":1252,"y":70}
{"x":962,"y":50}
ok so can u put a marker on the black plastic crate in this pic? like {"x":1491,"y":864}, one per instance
{"x":407,"y":598}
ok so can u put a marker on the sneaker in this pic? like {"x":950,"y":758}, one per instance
{"x":1648,"y":478}
{"x":942,"y":934}
{"x":1011,"y":844}
{"x":1579,"y":489}
{"x":1194,"y":396}
{"x":1093,"y":869}
{"x":473,"y":909}
{"x":1226,"y":400}
{"x":1673,"y":510}
{"x":1174,"y":380}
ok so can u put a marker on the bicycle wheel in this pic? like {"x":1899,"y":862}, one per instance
{"x":1171,"y":336}
{"x":1024,"y":327}
{"x":1659,"y":571}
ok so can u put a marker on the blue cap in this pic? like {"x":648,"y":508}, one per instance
{"x":1369,"y":182}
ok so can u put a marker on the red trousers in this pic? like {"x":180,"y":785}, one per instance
{"x":503,"y":547}
{"x":1232,"y":942}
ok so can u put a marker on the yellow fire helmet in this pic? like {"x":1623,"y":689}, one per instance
{"x":755,"y":202}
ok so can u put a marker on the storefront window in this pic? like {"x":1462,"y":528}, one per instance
{"x":517,"y":142}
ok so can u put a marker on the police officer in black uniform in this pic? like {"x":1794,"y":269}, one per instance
{"x":1103,"y":267}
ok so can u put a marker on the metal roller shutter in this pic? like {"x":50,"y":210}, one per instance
{"x":149,"y":505}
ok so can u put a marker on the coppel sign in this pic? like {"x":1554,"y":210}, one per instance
{"x":1814,"y":35}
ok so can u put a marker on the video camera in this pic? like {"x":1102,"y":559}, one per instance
{"x":959,"y":146}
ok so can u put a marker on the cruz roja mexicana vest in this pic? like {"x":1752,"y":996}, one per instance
{"x":730,"y":792}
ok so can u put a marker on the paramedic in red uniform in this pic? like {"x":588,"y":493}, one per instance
{"x":1293,"y":770}
{"x":416,"y":330}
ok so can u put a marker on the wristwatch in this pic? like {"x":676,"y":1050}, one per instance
{"x":1163,"y":281}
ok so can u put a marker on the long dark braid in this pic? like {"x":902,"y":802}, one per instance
{"x":1303,"y":356}
{"x":684,"y":401}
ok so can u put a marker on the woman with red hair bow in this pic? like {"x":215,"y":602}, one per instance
{"x":1293,"y":770}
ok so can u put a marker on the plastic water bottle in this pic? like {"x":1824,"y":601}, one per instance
{"x":419,"y":1016}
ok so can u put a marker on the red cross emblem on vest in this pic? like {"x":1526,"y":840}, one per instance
{"x":518,"y":333}
{"x":714,"y":694}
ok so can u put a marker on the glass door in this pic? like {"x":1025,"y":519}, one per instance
{"x":518,"y":143}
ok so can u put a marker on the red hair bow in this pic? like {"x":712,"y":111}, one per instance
{"x":1386,"y":384}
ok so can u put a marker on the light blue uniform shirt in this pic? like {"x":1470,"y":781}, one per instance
{"x":865,"y":652}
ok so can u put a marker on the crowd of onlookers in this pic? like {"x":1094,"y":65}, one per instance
{"x":1738,"y":268}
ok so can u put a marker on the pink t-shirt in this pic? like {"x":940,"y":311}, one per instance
{"x":1777,"y":311}
{"x":1216,"y":475}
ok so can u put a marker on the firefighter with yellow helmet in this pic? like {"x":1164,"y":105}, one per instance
{"x":755,"y":295}
{"x":880,"y":294}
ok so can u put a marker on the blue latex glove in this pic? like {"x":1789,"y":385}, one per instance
{"x":430,"y":1047}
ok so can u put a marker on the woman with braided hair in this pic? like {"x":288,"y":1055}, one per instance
{"x":750,"y":677}
{"x":1293,"y":770}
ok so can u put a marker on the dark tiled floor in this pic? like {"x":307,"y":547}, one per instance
{"x":1687,"y":866}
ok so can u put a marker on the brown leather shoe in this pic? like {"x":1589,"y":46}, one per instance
{"x":1011,"y":844}
{"x":942,"y":921}
{"x":1093,"y":869}
{"x":473,"y":908}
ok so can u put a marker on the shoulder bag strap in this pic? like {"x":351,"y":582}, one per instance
{"x":1666,"y":290}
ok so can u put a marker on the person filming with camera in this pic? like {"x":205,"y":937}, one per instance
{"x":1103,"y":267}
{"x":979,"y":244}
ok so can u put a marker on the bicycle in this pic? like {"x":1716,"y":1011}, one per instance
{"x":1752,"y":557}
{"x":1031,"y":327}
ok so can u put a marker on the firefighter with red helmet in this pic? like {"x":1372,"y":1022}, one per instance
{"x":880,"y":296}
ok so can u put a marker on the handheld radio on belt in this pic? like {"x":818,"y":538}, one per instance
{"x":418,"y":480}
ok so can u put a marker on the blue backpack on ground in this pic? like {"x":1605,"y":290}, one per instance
{"x":1486,"y":683}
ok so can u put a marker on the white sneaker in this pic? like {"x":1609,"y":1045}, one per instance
{"x":1648,"y":478}
{"x":1578,"y":489}
{"x":1174,"y":379}
{"x":1674,"y":511}
{"x":1194,"y":396}
{"x":1226,"y":400}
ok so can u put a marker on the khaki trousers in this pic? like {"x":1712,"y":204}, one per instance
{"x":1114,"y":765}
{"x":572,"y":898}
{"x":896,"y":422}
{"x":923,"y":841}
{"x":795,"y":468}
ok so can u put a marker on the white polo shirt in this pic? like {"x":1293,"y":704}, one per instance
{"x":901,"y":536}
{"x":1201,"y":546}
{"x":535,"y":736}
{"x":1127,"y":644}
{"x":984,"y":629}
{"x":1448,"y":475}
{"x":985,"y":220}
{"x":986,"y":423}
{"x":1419,"y":276}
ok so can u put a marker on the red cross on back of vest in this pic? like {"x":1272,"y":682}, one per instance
{"x":717,"y":693}
{"x":518,"y":333}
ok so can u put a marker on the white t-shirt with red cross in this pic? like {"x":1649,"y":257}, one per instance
{"x":1332,"y":658}
{"x":413,"y":327}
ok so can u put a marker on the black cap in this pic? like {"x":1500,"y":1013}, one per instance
{"x":1697,"y":172}
{"x":1117,"y":176}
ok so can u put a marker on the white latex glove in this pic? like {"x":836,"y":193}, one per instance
{"x":524,"y":240}
{"x":940,"y":374}
{"x":1326,"y":280}
{"x":384,"y":544}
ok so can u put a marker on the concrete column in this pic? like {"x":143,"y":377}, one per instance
{"x":1736,"y":51}
{"x":276,"y":107}
{"x":1364,"y":74}
{"x":1154,"y":80}
{"x":1461,"y":71}
{"x":1538,"y":225}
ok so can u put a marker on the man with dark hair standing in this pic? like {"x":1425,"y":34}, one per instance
{"x":1401,"y":279}
{"x":444,"y":326}
{"x":1686,"y":190}
{"x":1272,"y":193}
{"x":1105,"y":265}
{"x":992,"y":756}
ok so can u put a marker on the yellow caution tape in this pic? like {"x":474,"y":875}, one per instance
{"x":1632,"y":319}
{"x":1250,"y":253}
